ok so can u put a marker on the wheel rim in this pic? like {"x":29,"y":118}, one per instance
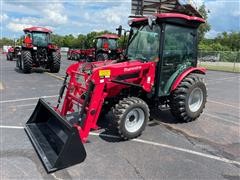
{"x":134,"y":120}
{"x":195,"y":99}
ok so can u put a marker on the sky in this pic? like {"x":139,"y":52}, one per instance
{"x":83,"y":16}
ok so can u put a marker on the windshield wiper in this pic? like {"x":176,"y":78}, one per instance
{"x":133,"y":37}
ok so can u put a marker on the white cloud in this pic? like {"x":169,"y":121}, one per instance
{"x":54,"y":13}
{"x":3,"y":17}
{"x":16,"y":27}
{"x":236,"y":13}
{"x":43,"y":14}
{"x":212,"y":34}
{"x":223,"y":16}
{"x":109,"y":17}
{"x":112,"y":15}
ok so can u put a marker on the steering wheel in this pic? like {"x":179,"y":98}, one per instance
{"x":141,"y":57}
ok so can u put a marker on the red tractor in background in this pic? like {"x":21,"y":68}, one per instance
{"x":73,"y":54}
{"x":159,"y":68}
{"x":38,"y":51}
{"x":13,"y":53}
{"x":106,"y":47}
{"x":9,"y":54}
{"x":80,"y":54}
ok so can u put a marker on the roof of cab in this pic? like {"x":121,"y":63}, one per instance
{"x":171,"y":15}
{"x":37,"y":29}
{"x":109,"y":36}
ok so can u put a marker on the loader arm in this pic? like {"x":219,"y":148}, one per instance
{"x":90,"y":90}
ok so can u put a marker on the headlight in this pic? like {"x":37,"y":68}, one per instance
{"x":34,"y":48}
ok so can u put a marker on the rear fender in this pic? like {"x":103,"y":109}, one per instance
{"x":178,"y":80}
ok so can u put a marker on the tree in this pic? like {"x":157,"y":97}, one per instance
{"x":57,"y":39}
{"x":6,"y":41}
{"x":204,"y":28}
{"x":230,"y":40}
{"x":68,"y":41}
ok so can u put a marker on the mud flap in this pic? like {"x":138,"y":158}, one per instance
{"x":56,"y":141}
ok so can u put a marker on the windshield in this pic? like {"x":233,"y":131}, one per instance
{"x":40,"y":39}
{"x":144,"y":43}
{"x":112,"y":44}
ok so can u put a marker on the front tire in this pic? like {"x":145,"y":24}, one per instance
{"x":188,"y":100}
{"x":56,"y":62}
{"x":26,"y":60}
{"x":131,"y":116}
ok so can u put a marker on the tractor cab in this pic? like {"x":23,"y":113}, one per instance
{"x":107,"y":47}
{"x":170,"y":40}
{"x":37,"y":36}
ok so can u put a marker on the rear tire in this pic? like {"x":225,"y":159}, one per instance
{"x":56,"y":62}
{"x":19,"y":63}
{"x":188,"y":100}
{"x":131,"y":116}
{"x":26,"y":60}
{"x":11,"y":57}
{"x":102,"y":57}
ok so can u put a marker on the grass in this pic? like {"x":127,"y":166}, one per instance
{"x":221,"y":66}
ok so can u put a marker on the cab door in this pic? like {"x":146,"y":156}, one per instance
{"x":178,"y":53}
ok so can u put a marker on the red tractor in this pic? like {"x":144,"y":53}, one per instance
{"x":38,"y":51}
{"x":159,"y":68}
{"x":107,"y":47}
{"x":9,"y":54}
{"x":13,"y":53}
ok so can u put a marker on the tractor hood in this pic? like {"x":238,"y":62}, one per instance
{"x":104,"y":65}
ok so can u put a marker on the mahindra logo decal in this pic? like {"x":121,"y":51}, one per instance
{"x":132,"y":68}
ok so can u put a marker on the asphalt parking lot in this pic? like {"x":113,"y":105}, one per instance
{"x":208,"y":148}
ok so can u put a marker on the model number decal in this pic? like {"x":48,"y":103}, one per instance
{"x":105,"y":73}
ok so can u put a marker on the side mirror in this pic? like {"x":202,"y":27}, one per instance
{"x":151,"y":21}
{"x":119,"y":30}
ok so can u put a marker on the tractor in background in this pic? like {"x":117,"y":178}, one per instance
{"x":38,"y":51}
{"x":9,"y":54}
{"x":159,"y":68}
{"x":81,"y":54}
{"x":13,"y":53}
{"x":72,"y":54}
{"x":106,"y":47}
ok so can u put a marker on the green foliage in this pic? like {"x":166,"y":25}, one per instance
{"x":227,"y":56}
{"x":204,"y":28}
{"x":231,"y":40}
{"x":6,"y":41}
{"x":81,"y":41}
{"x":223,"y":42}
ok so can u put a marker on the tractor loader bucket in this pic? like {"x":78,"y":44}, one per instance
{"x":57,"y":142}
